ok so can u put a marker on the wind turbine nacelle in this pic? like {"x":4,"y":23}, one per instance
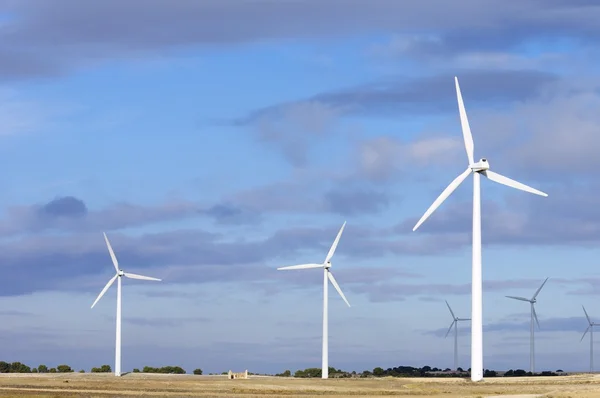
{"x":327,"y":264}
{"x":482,"y":165}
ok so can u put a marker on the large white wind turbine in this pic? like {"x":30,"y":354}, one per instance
{"x":454,"y":323}
{"x":591,"y":330}
{"x":118,"y":276}
{"x":326,"y":275}
{"x":531,"y":301}
{"x":477,"y":169}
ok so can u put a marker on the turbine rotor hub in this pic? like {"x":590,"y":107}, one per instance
{"x":121,"y":272}
{"x":482,"y":165}
{"x":328,"y":265}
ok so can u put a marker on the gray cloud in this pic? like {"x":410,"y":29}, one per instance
{"x":570,"y":324}
{"x":69,"y":213}
{"x":53,"y":41}
{"x":307,"y":194}
{"x":566,"y":217}
{"x":390,"y":291}
{"x":291,"y":128}
{"x":165,"y":322}
{"x":56,"y":262}
{"x":67,"y":206}
{"x":226,"y":213}
{"x":352,"y":202}
{"x":424,"y":95}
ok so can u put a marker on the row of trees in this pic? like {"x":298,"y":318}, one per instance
{"x":18,"y":367}
{"x":410,"y":371}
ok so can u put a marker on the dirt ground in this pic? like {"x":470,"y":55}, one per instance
{"x":139,"y":384}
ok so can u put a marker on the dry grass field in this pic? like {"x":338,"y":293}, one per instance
{"x":146,"y":385}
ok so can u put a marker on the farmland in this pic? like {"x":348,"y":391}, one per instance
{"x":154,"y":385}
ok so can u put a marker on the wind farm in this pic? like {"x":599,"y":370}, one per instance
{"x":288,"y":201}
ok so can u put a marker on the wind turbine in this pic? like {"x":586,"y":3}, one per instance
{"x":326,"y":275}
{"x":477,"y":169}
{"x":118,"y":276}
{"x":454,"y":323}
{"x":531,"y":301}
{"x":591,"y":329}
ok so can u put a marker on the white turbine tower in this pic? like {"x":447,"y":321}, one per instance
{"x":477,"y":169}
{"x":531,"y":301}
{"x":118,"y":276}
{"x":454,"y":323}
{"x":591,"y":330}
{"x":326,"y":275}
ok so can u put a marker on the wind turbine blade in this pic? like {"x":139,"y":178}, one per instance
{"x":337,"y":287}
{"x":535,"y":316}
{"x":301,"y":266}
{"x":464,"y":122}
{"x":110,"y":282}
{"x":112,"y":253}
{"x":586,"y":315}
{"x":136,"y":276}
{"x":452,"y":312}
{"x":450,"y":328}
{"x":500,"y":179}
{"x":538,"y":291}
{"x":335,"y":243}
{"x":584,"y":333}
{"x":519,"y":298}
{"x":464,"y":319}
{"x":447,"y":192}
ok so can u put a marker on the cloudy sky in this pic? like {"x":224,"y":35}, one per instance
{"x":215,"y":141}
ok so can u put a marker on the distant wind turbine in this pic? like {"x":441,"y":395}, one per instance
{"x":591,"y":330}
{"x":531,"y":301}
{"x":118,"y":276}
{"x":478,"y":169}
{"x":326,"y":275}
{"x":454,"y":323}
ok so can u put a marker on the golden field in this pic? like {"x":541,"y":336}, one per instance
{"x":149,"y":385}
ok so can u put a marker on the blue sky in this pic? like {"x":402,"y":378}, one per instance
{"x":216,"y":141}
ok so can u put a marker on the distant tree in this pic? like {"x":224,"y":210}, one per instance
{"x":52,"y":370}
{"x":448,"y":370}
{"x":64,"y":369}
{"x":18,"y":367}
{"x":34,"y":370}
{"x":459,"y":369}
{"x":490,"y":373}
{"x":82,"y":371}
{"x":136,"y":370}
{"x":199,"y":371}
{"x":559,"y":371}
{"x":165,"y":369}
{"x":4,"y":367}
{"x":378,"y":372}
{"x":102,"y":369}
